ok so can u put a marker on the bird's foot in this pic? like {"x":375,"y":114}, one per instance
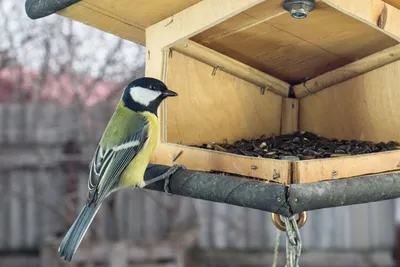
{"x":165,"y":176}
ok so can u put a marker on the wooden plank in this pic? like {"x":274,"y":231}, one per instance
{"x":214,"y":108}
{"x":395,"y":3}
{"x":309,"y":171}
{"x":286,"y":48}
{"x":234,"y":67}
{"x":195,"y":19}
{"x":375,"y":13}
{"x":363,"y":108}
{"x":247,"y":19}
{"x":347,"y":72}
{"x":290,"y":116}
{"x":105,"y":21}
{"x":328,"y":29}
{"x":204,"y":160}
{"x":142,"y":12}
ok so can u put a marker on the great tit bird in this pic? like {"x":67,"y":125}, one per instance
{"x":122,"y":154}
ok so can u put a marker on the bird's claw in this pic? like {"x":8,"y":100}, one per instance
{"x":168,"y":174}
{"x":165,"y":176}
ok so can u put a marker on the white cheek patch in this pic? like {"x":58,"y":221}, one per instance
{"x":143,"y":96}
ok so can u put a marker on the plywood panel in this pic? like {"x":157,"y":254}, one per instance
{"x":205,"y":160}
{"x":253,"y":16}
{"x":309,"y":171}
{"x":335,"y":32}
{"x":143,"y":12}
{"x":276,"y":52}
{"x":265,"y":37}
{"x":211,"y":108}
{"x":290,"y":49}
{"x":375,"y":13}
{"x":366,"y":107}
{"x":395,"y":3}
{"x":105,"y":21}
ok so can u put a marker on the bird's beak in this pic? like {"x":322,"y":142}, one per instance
{"x":169,"y":93}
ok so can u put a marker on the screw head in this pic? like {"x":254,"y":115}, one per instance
{"x":299,"y":9}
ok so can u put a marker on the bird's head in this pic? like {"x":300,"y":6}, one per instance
{"x":145,"y":94}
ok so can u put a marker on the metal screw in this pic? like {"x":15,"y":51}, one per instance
{"x":299,"y":9}
{"x":334,"y":174}
{"x":278,"y":199}
{"x":253,"y":167}
{"x":185,"y":45}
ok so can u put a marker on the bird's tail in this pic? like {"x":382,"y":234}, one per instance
{"x":75,"y":234}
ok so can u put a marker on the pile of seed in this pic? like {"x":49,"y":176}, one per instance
{"x":304,"y":145}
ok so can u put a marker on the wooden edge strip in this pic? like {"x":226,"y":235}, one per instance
{"x":195,"y":19}
{"x":395,"y":3}
{"x":204,"y":160}
{"x":309,"y":171}
{"x":290,"y":115}
{"x":232,"y":66}
{"x":348,"y":71}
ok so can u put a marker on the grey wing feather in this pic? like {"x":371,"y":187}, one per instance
{"x":108,"y":164}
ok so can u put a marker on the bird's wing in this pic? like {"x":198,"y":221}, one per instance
{"x":108,"y":163}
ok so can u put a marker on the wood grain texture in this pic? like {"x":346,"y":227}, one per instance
{"x":375,"y":13}
{"x":290,"y":115}
{"x":196,"y":19}
{"x":211,"y":108}
{"x":275,"y":43}
{"x":309,"y":171}
{"x":105,"y":21}
{"x":205,"y":160}
{"x":142,"y":12}
{"x":234,"y":67}
{"x":348,"y":71}
{"x":395,"y":3}
{"x":364,"y":108}
{"x":125,"y":18}
{"x":264,"y":36}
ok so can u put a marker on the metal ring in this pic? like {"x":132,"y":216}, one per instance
{"x":276,"y":220}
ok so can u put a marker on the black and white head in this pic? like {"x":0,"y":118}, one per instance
{"x":145,"y":94}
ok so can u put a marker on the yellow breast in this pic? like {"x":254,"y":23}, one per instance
{"x":133,"y":174}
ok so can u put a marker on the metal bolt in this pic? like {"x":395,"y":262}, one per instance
{"x":185,"y":45}
{"x":334,"y":174}
{"x":295,"y":200}
{"x":278,"y":199}
{"x":253,"y":167}
{"x":299,"y":9}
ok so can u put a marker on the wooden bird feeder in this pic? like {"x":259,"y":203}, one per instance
{"x":246,"y":68}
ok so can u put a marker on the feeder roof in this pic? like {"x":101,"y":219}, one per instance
{"x":264,"y":36}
